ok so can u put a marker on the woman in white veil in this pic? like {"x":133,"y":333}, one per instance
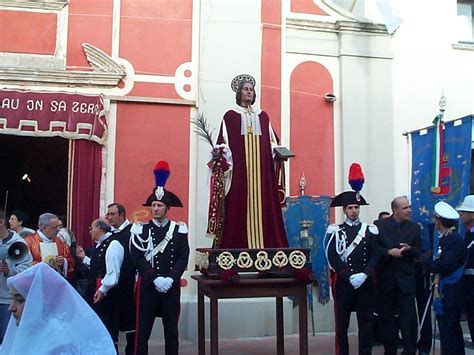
{"x":55,"y":318}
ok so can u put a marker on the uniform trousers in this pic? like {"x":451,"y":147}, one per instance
{"x":130,"y":347}
{"x":152,"y":304}
{"x":468,"y":281}
{"x":346,"y":300}
{"x":451,"y":334}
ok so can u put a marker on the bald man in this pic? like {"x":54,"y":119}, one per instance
{"x":399,"y":245}
{"x":105,"y":276}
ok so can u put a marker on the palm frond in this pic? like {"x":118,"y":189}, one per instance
{"x":201,"y":128}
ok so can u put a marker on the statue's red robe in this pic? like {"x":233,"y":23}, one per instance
{"x":253,"y":217}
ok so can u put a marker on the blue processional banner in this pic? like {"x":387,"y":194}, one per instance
{"x":306,"y":220}
{"x":455,"y":171}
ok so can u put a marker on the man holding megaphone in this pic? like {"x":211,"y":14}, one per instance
{"x":14,"y":258}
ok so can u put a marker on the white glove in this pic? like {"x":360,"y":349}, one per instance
{"x":169,"y":283}
{"x":357,"y":280}
{"x":160,"y":284}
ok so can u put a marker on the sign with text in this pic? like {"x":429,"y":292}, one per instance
{"x":41,"y":114}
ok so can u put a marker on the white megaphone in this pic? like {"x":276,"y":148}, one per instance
{"x":15,"y":251}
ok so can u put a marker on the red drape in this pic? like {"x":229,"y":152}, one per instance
{"x":85,"y":165}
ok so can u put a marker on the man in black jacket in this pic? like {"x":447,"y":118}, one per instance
{"x":105,"y":264}
{"x":399,"y":245}
{"x":160,"y":252}
{"x":352,"y":255}
{"x":116,"y":217}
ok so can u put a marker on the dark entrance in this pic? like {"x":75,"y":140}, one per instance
{"x":44,"y":188}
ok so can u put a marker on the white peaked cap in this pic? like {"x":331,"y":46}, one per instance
{"x":444,"y":210}
{"x":467,"y":205}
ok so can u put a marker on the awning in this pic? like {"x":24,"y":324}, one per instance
{"x":41,"y":114}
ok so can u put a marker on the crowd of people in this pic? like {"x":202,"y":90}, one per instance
{"x":128,"y":277}
{"x":381,"y":272}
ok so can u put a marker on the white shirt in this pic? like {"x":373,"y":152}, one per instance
{"x":44,"y":239}
{"x":121,"y":227}
{"x":113,"y":263}
{"x":161,"y":224}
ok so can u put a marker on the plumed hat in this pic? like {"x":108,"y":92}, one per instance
{"x":348,"y":198}
{"x":162,"y":172}
{"x":356,"y":180}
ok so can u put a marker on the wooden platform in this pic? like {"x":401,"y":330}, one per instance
{"x":248,"y":287}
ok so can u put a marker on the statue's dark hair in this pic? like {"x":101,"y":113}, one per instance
{"x":238,"y":93}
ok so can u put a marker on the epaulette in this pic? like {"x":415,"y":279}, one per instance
{"x":137,"y":227}
{"x":332,"y":228}
{"x":373,"y":229}
{"x":183,"y":228}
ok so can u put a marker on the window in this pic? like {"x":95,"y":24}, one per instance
{"x":465,"y":22}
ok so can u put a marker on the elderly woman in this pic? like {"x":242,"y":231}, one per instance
{"x":50,"y":317}
{"x":16,"y":221}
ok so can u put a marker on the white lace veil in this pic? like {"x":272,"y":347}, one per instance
{"x":55,"y":320}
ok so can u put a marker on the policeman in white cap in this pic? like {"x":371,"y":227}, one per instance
{"x":466,"y":210}
{"x":448,"y":264}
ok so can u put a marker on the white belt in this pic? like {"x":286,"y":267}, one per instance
{"x":468,"y":271}
{"x":162,"y":245}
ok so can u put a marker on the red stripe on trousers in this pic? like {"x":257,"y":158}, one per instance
{"x":137,"y":302}
{"x":334,"y":281}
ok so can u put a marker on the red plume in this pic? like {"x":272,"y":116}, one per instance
{"x":356,"y":177}
{"x":161,"y":172}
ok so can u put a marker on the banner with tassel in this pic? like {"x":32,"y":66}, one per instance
{"x":306,"y":220}
{"x":453,"y":172}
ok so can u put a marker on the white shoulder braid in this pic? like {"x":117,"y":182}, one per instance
{"x":183,"y":228}
{"x":137,"y":227}
{"x":332,"y":228}
{"x":373,"y":229}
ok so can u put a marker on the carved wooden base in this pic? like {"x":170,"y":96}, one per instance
{"x":214,"y":262}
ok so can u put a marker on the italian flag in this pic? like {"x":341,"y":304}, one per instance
{"x":437,"y":154}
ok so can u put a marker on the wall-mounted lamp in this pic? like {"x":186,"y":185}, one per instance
{"x":330,"y":97}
